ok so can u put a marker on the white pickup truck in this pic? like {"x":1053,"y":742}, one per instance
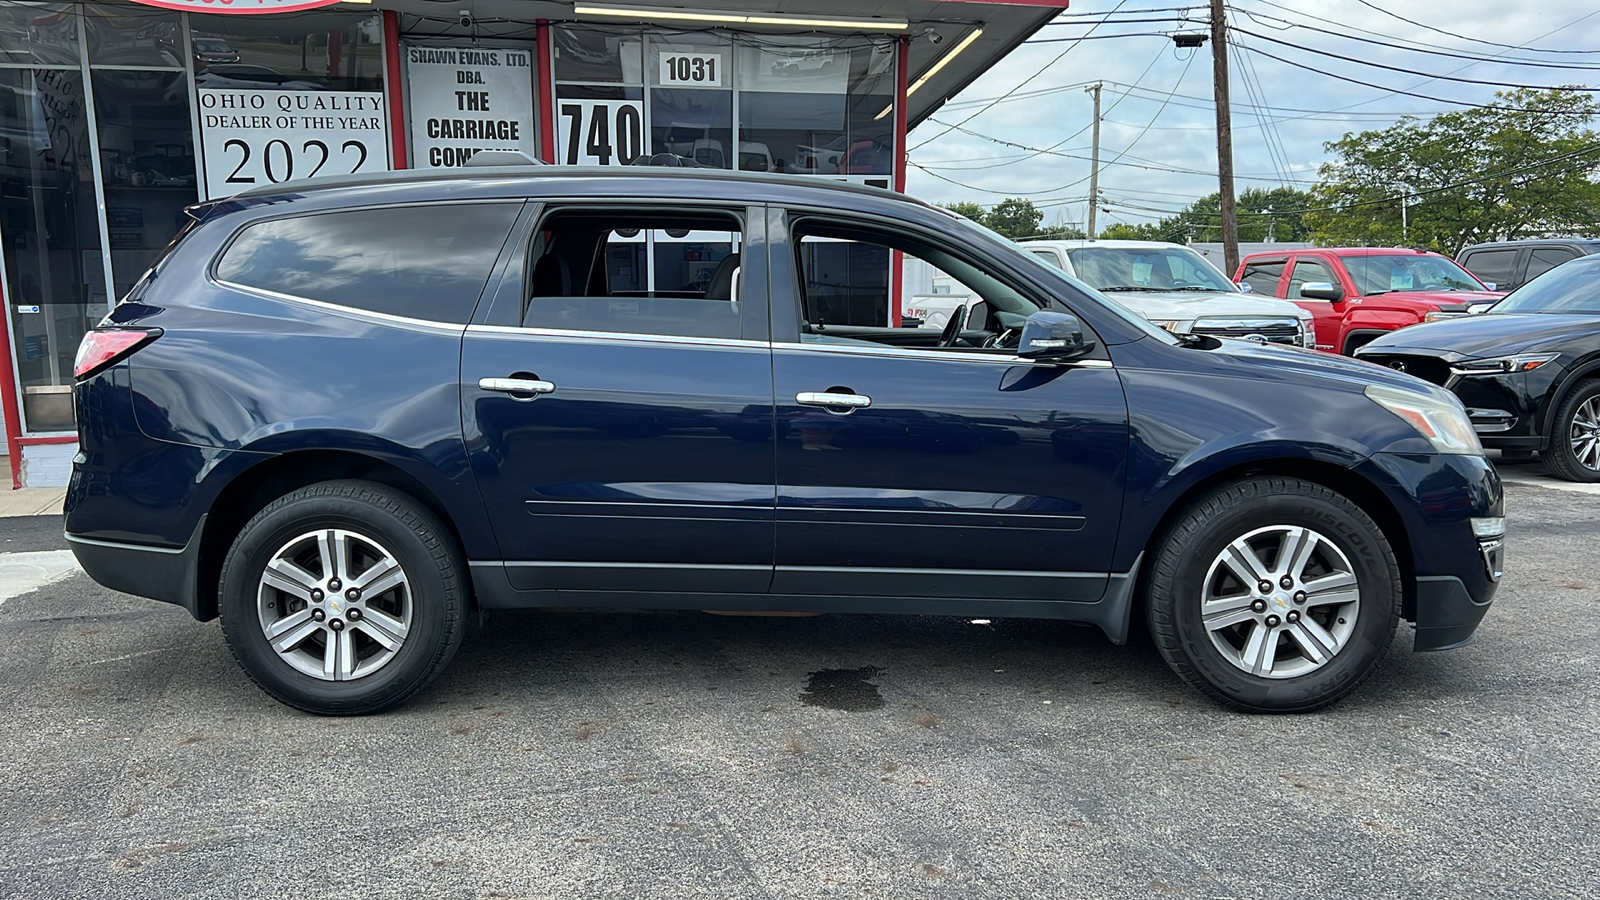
{"x":1177,"y":289}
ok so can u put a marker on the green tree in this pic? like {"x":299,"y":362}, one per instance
{"x":1126,"y":231}
{"x":1014,"y":217}
{"x":1521,"y":167}
{"x":973,"y":211}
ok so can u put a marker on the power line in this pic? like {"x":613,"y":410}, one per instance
{"x":1377,"y":65}
{"x":1042,"y":69}
{"x":1391,"y":90}
{"x":1253,"y":87}
{"x":1431,"y":51}
{"x":1463,"y":37}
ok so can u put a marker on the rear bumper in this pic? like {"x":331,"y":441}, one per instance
{"x":168,"y":574}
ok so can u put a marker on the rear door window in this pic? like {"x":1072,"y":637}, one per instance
{"x":1543,"y":260}
{"x":637,"y":271}
{"x":422,"y":262}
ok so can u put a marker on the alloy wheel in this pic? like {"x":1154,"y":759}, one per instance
{"x":334,"y":604}
{"x":1583,"y":436}
{"x":1280,"y":601}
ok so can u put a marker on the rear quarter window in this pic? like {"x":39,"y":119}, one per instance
{"x":422,"y":262}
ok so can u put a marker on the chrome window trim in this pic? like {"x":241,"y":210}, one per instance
{"x":912,"y":353}
{"x":575,"y":335}
{"x":430,"y":325}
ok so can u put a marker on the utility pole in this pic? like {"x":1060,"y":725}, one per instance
{"x":1094,"y":160}
{"x":1219,"y":76}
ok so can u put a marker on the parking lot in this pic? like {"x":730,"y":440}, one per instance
{"x":682,"y":755}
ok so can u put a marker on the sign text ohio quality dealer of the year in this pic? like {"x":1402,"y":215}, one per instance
{"x":252,"y":138}
{"x":467,"y":100}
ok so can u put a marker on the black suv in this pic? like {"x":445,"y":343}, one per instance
{"x":1508,"y":265}
{"x":344,"y":414}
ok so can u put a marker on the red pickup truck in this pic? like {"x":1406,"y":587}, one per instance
{"x":1355,"y":294}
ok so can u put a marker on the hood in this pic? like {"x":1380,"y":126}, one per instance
{"x":1354,"y":373}
{"x":1186,"y":305}
{"x":1435,"y":298}
{"x":1491,"y":334}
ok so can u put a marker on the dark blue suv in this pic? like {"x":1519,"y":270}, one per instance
{"x":343,"y":415}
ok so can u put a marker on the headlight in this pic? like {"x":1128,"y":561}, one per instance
{"x":1440,"y":315}
{"x":1503,"y":365}
{"x":1441,"y":420}
{"x":1308,"y":335}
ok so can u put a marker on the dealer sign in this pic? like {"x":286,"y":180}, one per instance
{"x":238,"y":7}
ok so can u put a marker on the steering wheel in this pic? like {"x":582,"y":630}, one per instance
{"x":952,"y":328}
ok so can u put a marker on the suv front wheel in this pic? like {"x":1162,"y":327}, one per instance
{"x":1274,"y":595}
{"x":343,"y":598}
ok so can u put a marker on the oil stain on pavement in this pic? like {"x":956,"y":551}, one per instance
{"x":843,"y":689}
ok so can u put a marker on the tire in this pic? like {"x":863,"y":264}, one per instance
{"x":1574,"y":449}
{"x":340,"y":655}
{"x":1343,"y":598}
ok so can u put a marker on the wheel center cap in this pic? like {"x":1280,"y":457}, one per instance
{"x":1282,"y":602}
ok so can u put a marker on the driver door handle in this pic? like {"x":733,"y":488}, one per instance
{"x":826,"y":399}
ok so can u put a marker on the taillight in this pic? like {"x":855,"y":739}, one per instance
{"x":104,"y":346}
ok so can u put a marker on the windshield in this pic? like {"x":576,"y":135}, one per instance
{"x":1147,"y":269}
{"x":1568,"y":289}
{"x":1111,"y":306}
{"x":1381,"y":273}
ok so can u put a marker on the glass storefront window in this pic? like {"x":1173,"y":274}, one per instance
{"x":691,"y":98}
{"x":134,"y":36}
{"x":39,"y":34}
{"x":294,"y":52}
{"x":55,"y":279}
{"x":816,"y":106}
{"x":596,"y":56}
{"x":147,"y":161}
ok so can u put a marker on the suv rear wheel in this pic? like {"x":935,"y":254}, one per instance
{"x":343,"y":598}
{"x":1574,"y":451}
{"x":1274,"y":595}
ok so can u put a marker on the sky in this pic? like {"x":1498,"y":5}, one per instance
{"x":1282,"y":115}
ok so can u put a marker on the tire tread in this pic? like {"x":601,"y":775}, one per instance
{"x":441,"y":547}
{"x":1188,"y":527}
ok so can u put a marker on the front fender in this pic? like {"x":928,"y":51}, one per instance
{"x":1186,"y":427}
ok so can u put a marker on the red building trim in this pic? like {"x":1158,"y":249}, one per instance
{"x":902,"y":75}
{"x":546,"y":96}
{"x":42,"y":439}
{"x":394,"y":92}
{"x":8,"y":398}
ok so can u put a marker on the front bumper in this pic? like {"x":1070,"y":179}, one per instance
{"x":1453,"y":573}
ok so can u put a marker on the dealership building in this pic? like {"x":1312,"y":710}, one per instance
{"x":115,"y":117}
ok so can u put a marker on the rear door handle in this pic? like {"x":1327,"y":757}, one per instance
{"x":826,"y":399}
{"x":516,"y":385}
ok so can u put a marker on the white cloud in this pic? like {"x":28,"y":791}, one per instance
{"x":1182,"y":135}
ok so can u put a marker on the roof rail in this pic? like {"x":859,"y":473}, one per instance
{"x":503,"y":158}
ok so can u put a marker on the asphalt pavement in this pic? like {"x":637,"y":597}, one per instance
{"x":687,"y":755}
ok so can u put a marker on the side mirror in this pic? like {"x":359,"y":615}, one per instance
{"x":1490,"y":286}
{"x":1243,"y":286}
{"x":1051,"y":337}
{"x":1322,"y":290}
